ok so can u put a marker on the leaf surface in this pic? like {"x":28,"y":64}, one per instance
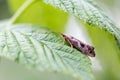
{"x":39,"y":48}
{"x":104,"y":33}
{"x":89,"y":13}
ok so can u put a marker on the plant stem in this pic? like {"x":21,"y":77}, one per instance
{"x":25,"y":5}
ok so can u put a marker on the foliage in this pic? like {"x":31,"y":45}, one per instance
{"x":103,"y":31}
{"x":43,"y":50}
{"x":40,"y":14}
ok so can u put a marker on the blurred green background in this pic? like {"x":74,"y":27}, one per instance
{"x":4,"y":11}
{"x":59,"y":21}
{"x":41,"y":14}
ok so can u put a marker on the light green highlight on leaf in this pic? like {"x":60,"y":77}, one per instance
{"x":41,"y":14}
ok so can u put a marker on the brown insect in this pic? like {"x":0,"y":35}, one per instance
{"x":84,"y":48}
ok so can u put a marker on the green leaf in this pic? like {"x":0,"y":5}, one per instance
{"x":89,"y":13}
{"x":41,"y":14}
{"x":103,"y":31}
{"x":39,"y":48}
{"x":107,"y":52}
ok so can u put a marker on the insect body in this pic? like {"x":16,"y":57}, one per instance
{"x":84,"y":48}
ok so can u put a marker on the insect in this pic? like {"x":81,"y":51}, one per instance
{"x":84,"y":48}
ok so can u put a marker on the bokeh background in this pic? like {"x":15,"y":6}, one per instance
{"x":64,"y":22}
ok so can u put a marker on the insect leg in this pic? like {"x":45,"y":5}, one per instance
{"x":70,"y":45}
